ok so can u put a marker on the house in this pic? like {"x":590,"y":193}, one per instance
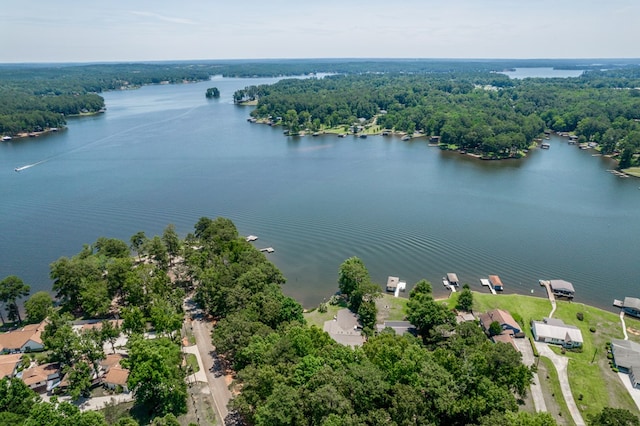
{"x":626,"y":356}
{"x":9,"y":365}
{"x":41,"y":377}
{"x":507,"y":323}
{"x":344,"y":328}
{"x":27,"y":339}
{"x":392,"y":283}
{"x":631,"y":306}
{"x":400,"y":327}
{"x":496,"y":282}
{"x":562,"y":288}
{"x":116,"y":376}
{"x":555,"y":331}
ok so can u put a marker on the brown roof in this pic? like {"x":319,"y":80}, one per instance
{"x":503,"y":317}
{"x":39,"y":373}
{"x":505,"y":338}
{"x":495,"y":280}
{"x":16,"y":339}
{"x":111,"y":360}
{"x":117,"y":376}
{"x":8,"y":364}
{"x":98,"y":325}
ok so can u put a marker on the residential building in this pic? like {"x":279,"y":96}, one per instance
{"x":555,"y":331}
{"x":400,"y":327}
{"x":507,"y":323}
{"x":626,"y":356}
{"x":27,"y":339}
{"x":9,"y":365}
{"x":41,"y":377}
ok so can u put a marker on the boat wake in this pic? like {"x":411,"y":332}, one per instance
{"x":28,"y":166}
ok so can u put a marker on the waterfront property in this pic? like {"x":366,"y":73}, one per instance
{"x":453,"y":279}
{"x":626,"y":356}
{"x":485,"y":282}
{"x":399,"y":327}
{"x":344,"y":328}
{"x":555,"y":331}
{"x":509,"y":326}
{"x":562,"y":288}
{"x":9,"y":365}
{"x":42,"y":377}
{"x":630,"y":306}
{"x":26,"y":339}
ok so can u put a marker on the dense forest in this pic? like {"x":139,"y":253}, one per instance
{"x":481,"y":112}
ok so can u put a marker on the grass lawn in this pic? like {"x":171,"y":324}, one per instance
{"x":589,"y":372}
{"x":550,"y":384}
{"x":391,"y":308}
{"x":192,"y":361}
{"x":633,"y":171}
{"x":318,"y":318}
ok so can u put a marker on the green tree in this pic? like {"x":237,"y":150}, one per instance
{"x":351,"y":274}
{"x":111,"y":247}
{"x":495,"y":328}
{"x":79,"y":378}
{"x":12,"y":288}
{"x":171,"y":241}
{"x":16,"y":397}
{"x":465,"y":300}
{"x":60,"y":339}
{"x":155,"y":375}
{"x":37,"y":306}
{"x":133,"y":321}
{"x":110,"y":333}
{"x":139,"y":242}
{"x":212,"y":92}
{"x":426,"y":314}
{"x":614,"y":417}
{"x":158,"y":252}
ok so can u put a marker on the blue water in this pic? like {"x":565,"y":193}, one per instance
{"x":165,"y":154}
{"x":540,"y":72}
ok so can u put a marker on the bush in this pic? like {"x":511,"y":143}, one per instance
{"x":615,"y":369}
{"x":609,"y":355}
{"x":533,"y":346}
{"x":580,"y":316}
{"x":592,"y":329}
{"x":322,"y":308}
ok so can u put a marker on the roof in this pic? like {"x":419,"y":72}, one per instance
{"x":8,"y":364}
{"x":392,"y":282}
{"x":17,"y":339}
{"x":558,"y":330}
{"x":561,"y":285}
{"x":502,"y":317}
{"x":344,"y":328}
{"x":111,"y":360}
{"x":632,"y":302}
{"x":453,"y":278}
{"x":97,"y":324}
{"x":626,"y":352}
{"x":117,"y":376}
{"x":505,"y":338}
{"x":400,"y":327}
{"x":39,"y":373}
{"x":495,"y":280}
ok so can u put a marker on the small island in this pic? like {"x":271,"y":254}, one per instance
{"x":212,"y":92}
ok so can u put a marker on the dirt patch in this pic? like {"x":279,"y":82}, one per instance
{"x":199,"y":403}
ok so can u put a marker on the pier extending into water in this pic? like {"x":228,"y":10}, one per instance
{"x":485,"y":282}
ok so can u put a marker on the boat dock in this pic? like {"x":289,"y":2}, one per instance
{"x":618,"y":173}
{"x":267,"y":249}
{"x":451,"y":287}
{"x":618,"y":303}
{"x":485,"y":282}
{"x":402,"y":286}
{"x":251,"y":238}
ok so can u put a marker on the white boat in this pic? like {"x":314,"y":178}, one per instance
{"x":6,"y":138}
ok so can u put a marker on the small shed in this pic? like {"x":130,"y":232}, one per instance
{"x":496,"y":282}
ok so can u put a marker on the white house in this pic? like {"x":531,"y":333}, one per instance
{"x":555,"y":331}
{"x":27,"y":339}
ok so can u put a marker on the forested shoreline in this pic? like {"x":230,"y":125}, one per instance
{"x":480,"y":112}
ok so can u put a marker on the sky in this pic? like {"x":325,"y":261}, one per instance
{"x":156,"y":30}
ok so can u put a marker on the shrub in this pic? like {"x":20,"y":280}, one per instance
{"x":580,"y":396}
{"x":580,"y":316}
{"x":609,"y":355}
{"x":533,"y":346}
{"x":615,"y":369}
{"x":322,"y":308}
{"x":592,"y":329}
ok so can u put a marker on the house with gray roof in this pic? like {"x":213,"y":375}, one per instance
{"x":555,"y":331}
{"x":626,"y":356}
{"x":400,"y":327}
{"x":344,"y":328}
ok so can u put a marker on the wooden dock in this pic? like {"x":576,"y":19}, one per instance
{"x":451,"y":287}
{"x":267,"y":249}
{"x":618,"y":303}
{"x":485,"y":282}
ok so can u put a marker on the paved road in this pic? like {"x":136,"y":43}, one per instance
{"x":217,"y":381}
{"x":560,"y":362}
{"x":524,"y":347}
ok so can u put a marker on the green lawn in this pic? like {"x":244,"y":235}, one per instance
{"x":317,"y":318}
{"x":551,"y":387}
{"x":391,"y":308}
{"x":633,"y":171}
{"x":192,"y":362}
{"x":589,"y":372}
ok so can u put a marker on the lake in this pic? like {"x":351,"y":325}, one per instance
{"x":541,"y":72}
{"x":165,"y":154}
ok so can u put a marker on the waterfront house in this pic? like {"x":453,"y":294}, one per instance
{"x":496,"y":282}
{"x":631,"y":306}
{"x":392,"y":283}
{"x":562,"y":288}
{"x":555,"y":331}
{"x":626,"y":356}
{"x":344,"y":328}
{"x":26,"y":339}
{"x":510,"y":326}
